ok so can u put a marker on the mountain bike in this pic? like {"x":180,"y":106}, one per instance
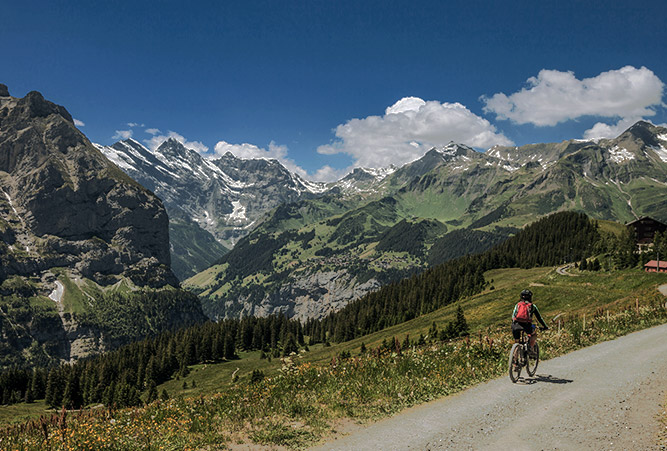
{"x":520,"y":357}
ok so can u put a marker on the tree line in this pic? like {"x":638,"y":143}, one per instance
{"x":122,"y":377}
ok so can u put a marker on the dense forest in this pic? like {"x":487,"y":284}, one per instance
{"x":120,"y":377}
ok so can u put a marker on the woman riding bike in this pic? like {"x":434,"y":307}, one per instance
{"x":522,"y":318}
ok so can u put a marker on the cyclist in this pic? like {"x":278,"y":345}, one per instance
{"x":522,"y":319}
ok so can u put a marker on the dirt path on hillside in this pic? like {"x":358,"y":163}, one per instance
{"x":562,"y":270}
{"x":606,"y":397}
{"x":663,"y":289}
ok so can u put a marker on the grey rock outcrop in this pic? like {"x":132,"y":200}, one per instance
{"x":64,"y":204}
{"x":312,"y":296}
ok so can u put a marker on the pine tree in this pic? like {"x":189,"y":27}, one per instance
{"x":290,"y":345}
{"x":152,"y":392}
{"x":29,"y":397}
{"x":230,"y":352}
{"x":461,"y":323}
{"x":54,"y":388}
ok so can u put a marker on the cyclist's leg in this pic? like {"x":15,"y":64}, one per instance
{"x":533,"y":337}
{"x":516,"y":332}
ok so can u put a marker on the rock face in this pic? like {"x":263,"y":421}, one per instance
{"x":313,"y":296}
{"x":84,"y":249}
{"x":63,"y":203}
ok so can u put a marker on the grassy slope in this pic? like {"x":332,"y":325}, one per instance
{"x":296,"y":408}
{"x":554,"y":295}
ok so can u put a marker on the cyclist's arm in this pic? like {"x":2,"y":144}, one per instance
{"x":516,"y":308}
{"x":536,"y":312}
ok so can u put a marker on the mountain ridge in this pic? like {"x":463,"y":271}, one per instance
{"x":456,"y":186}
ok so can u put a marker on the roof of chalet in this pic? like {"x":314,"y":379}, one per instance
{"x":643,"y":218}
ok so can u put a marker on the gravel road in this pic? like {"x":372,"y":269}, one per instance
{"x":605,"y":397}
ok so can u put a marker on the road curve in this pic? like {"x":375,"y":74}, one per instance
{"x":606,"y":396}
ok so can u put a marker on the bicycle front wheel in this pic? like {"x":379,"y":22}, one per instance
{"x":533,"y":360}
{"x":515,"y":362}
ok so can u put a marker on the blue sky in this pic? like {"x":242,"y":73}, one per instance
{"x":329,"y":85}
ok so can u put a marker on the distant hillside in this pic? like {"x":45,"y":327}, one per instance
{"x":565,"y":236}
{"x":319,"y":254}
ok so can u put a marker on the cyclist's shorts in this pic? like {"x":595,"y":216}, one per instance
{"x":517,"y":327}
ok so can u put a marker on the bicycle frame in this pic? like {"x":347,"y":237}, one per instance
{"x":520,"y":357}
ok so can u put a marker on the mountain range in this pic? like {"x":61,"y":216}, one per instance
{"x":313,"y":256}
{"x":100,"y":228}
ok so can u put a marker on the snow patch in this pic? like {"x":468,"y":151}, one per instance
{"x":57,"y":294}
{"x":661,"y":151}
{"x":620,"y":154}
{"x":239,"y":212}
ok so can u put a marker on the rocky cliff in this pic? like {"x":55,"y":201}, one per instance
{"x":76,"y":235}
{"x":62,"y":203}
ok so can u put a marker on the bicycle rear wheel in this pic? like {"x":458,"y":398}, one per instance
{"x":532,"y":361}
{"x":515,"y":362}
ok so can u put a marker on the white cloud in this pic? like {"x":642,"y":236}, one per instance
{"x":328,"y":174}
{"x":134,"y":124}
{"x":157,"y":140}
{"x":409,"y":128}
{"x":555,"y":96}
{"x":79,"y":123}
{"x":122,"y":134}
{"x":274,"y":152}
{"x":602,"y":130}
{"x":250,"y":151}
{"x":152,"y":131}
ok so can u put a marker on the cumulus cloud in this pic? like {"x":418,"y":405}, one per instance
{"x":134,"y":124}
{"x":409,"y":128}
{"x":554,"y":96}
{"x":157,"y":140}
{"x":79,"y":123}
{"x":152,"y":131}
{"x":601,"y":130}
{"x":250,"y":151}
{"x":122,"y":134}
{"x":328,"y":174}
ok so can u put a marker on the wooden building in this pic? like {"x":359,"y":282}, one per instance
{"x":645,"y":229}
{"x":652,"y":266}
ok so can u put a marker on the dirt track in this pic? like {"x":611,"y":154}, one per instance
{"x":603,"y":397}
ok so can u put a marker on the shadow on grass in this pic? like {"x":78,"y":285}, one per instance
{"x":546,"y":378}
